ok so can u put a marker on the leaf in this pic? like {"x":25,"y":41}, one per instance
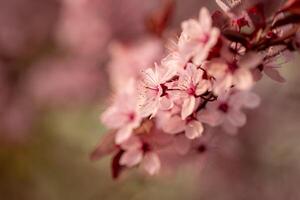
{"x":116,"y":168}
{"x":236,"y":37}
{"x":292,"y":6}
{"x":290,"y":19}
{"x":105,"y":147}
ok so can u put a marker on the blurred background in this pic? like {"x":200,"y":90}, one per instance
{"x":58,"y":67}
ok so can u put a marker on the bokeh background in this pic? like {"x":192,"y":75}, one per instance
{"x":55,"y":82}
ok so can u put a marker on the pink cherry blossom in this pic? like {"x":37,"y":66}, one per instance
{"x":136,"y":154}
{"x":192,"y":85}
{"x":174,"y":124}
{"x":154,"y":90}
{"x":226,"y":111}
{"x":228,"y":73}
{"x":199,"y":36}
{"x":123,"y":115}
{"x":203,"y":82}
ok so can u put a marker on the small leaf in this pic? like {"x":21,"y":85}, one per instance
{"x":116,"y":168}
{"x":290,"y":19}
{"x":105,"y":147}
{"x":236,"y":37}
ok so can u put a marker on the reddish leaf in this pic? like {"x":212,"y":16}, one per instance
{"x":234,"y":36}
{"x":105,"y":147}
{"x":290,"y":19}
{"x":292,"y":6}
{"x":257,"y":16}
{"x":116,"y":168}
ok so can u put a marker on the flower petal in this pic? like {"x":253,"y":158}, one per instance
{"x":243,"y":79}
{"x":237,"y":118}
{"x":165,"y":103}
{"x":194,"y":129}
{"x":132,"y":143}
{"x":131,"y":158}
{"x":174,"y":125}
{"x":151,"y":163}
{"x":205,"y":19}
{"x":251,"y":100}
{"x":211,"y":117}
{"x":274,"y":74}
{"x":123,"y":134}
{"x":188,"y":107}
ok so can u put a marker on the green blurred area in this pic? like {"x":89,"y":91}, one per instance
{"x":54,"y":164}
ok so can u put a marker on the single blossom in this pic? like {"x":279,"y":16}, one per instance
{"x":138,"y":153}
{"x":123,"y":115}
{"x":172,"y":123}
{"x":154,"y":94}
{"x":191,"y":85}
{"x":226,"y":111}
{"x":229,"y":72}
{"x":198,"y":37}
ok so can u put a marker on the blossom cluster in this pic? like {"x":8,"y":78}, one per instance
{"x":203,"y":82}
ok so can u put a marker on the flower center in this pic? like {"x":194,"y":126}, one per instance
{"x":191,"y":90}
{"x":224,"y":107}
{"x":146,"y":147}
{"x":131,"y":116}
{"x":232,"y":67}
{"x":163,"y":90}
{"x":204,"y":38}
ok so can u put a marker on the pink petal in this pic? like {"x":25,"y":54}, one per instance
{"x":211,"y":117}
{"x":150,"y":107}
{"x":165,"y":103}
{"x":106,"y":146}
{"x":188,"y":107}
{"x":132,"y":143}
{"x":237,"y":118}
{"x":193,"y":73}
{"x":194,"y":129}
{"x":274,"y":74}
{"x":150,"y":78}
{"x":123,"y":134}
{"x":167,"y":73}
{"x":244,"y":99}
{"x":174,"y":125}
{"x":243,"y":79}
{"x":201,"y":54}
{"x":131,"y":158}
{"x":205,"y":19}
{"x":112,"y":118}
{"x":202,"y":87}
{"x":214,"y":37}
{"x":151,"y":163}
{"x":190,"y":28}
{"x":222,"y":85}
{"x":251,"y":100}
